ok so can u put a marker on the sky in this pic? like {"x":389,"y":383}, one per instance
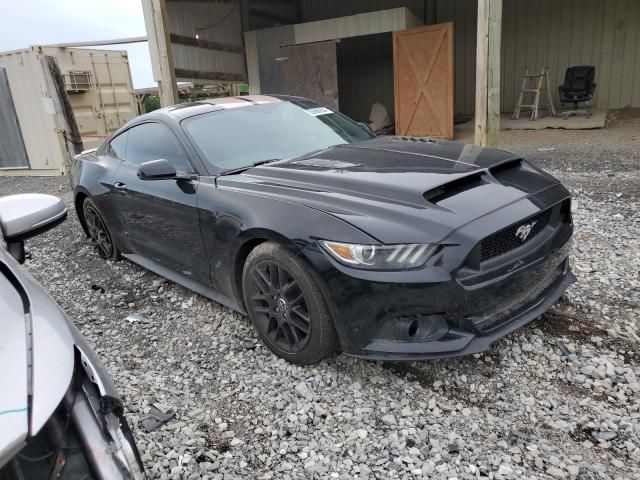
{"x":39,"y":22}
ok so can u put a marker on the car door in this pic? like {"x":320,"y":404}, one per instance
{"x":160,"y":217}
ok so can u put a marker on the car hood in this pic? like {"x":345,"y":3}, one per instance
{"x":399,"y":190}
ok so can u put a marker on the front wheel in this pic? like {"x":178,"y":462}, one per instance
{"x":286,"y":305}
{"x":99,"y":233}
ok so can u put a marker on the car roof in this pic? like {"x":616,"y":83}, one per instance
{"x":185,"y":110}
{"x":176,"y":113}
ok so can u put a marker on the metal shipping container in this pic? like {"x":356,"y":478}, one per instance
{"x":34,"y":128}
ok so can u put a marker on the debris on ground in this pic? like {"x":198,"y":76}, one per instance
{"x":159,"y":414}
{"x":137,"y":318}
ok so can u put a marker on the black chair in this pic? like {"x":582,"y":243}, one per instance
{"x":578,"y":87}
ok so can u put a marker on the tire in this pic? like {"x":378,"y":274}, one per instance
{"x":286,"y":306}
{"x":99,"y":232}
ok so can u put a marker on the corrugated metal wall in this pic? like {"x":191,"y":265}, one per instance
{"x":191,"y":18}
{"x":554,"y":33}
{"x":355,"y":25}
{"x":269,"y":42}
{"x":464,"y":15}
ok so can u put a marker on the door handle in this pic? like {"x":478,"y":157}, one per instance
{"x":120,"y":186}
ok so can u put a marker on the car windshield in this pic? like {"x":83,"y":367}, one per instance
{"x":241,"y":137}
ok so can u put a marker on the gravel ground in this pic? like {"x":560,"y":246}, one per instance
{"x":557,"y":399}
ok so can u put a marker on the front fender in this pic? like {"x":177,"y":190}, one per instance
{"x":231,"y":220}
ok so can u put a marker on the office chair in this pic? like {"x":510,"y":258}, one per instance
{"x":578,"y":87}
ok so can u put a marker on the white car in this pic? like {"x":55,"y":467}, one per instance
{"x":60,"y":415}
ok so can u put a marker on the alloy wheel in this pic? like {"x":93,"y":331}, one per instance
{"x":280,"y":307}
{"x":98,"y":233}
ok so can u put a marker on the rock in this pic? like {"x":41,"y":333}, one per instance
{"x":617,"y":463}
{"x":388,"y":420}
{"x":604,"y":436}
{"x":505,"y":470}
{"x":302,"y":390}
{"x":428,"y":468}
{"x":556,"y":472}
{"x":574,"y":470}
{"x":515,"y":437}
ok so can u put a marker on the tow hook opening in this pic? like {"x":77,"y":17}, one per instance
{"x":416,"y":328}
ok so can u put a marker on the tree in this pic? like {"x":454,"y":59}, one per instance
{"x":151,"y":103}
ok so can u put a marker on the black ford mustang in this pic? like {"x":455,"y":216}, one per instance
{"x":328,"y":237}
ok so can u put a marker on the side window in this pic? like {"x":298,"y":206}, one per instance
{"x":152,"y":141}
{"x":118,"y":145}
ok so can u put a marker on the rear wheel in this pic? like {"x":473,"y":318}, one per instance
{"x":286,"y":305}
{"x":99,"y":233}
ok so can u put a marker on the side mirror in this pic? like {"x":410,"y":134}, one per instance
{"x":26,"y":215}
{"x":156,"y":170}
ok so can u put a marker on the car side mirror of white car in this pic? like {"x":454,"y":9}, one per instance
{"x":26,"y":215}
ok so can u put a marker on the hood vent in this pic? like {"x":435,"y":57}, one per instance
{"x":450,"y":189}
{"x":325,"y":163}
{"x":514,"y":164}
{"x":413,"y":139}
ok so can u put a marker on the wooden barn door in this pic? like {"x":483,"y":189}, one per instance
{"x":310,"y":70}
{"x":423,"y":81}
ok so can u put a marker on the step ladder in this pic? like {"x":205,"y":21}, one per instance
{"x":534,"y":83}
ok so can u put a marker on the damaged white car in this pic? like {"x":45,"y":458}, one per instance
{"x":60,"y":415}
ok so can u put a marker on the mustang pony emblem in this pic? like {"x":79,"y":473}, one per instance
{"x":524,"y":230}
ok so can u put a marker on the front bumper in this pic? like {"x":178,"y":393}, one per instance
{"x":452,"y":307}
{"x":465,"y":341}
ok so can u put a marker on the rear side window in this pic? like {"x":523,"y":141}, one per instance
{"x":118,"y":145}
{"x":153,"y":141}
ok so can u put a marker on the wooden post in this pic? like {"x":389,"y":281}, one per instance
{"x":157,"y":25}
{"x":487,"y":123}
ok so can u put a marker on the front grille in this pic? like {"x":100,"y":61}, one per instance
{"x":506,"y":240}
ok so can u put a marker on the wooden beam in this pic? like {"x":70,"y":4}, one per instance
{"x":157,"y":25}
{"x":209,"y":45}
{"x":487,"y":115}
{"x":95,"y":43}
{"x":217,"y":76}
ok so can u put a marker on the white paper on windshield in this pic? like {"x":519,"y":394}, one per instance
{"x":314,"y":112}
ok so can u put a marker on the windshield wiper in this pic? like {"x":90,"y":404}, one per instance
{"x":247,"y":167}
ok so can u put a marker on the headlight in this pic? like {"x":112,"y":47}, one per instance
{"x":380,"y":257}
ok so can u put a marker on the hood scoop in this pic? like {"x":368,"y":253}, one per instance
{"x":505,"y":166}
{"x":456,"y":187}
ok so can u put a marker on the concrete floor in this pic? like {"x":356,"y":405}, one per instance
{"x":464,"y":131}
{"x":596,"y":120}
